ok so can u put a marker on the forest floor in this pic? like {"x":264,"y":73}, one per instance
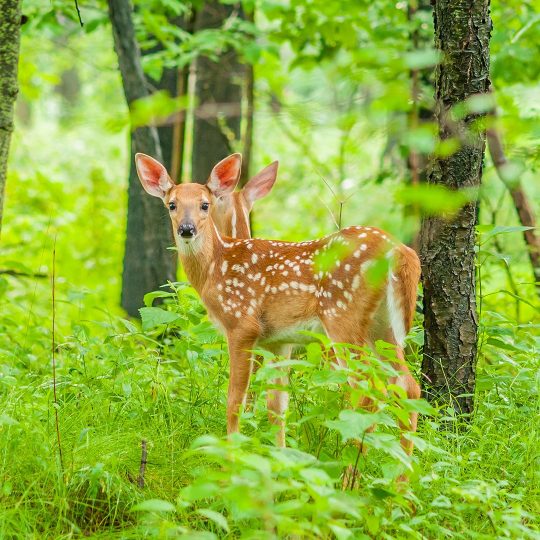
{"x":71,"y":441}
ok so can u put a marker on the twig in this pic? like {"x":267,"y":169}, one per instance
{"x":53,"y":351}
{"x":78,"y":13}
{"x":142,"y":468}
{"x":16,"y":273}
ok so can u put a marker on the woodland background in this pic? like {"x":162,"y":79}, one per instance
{"x":342,"y":93}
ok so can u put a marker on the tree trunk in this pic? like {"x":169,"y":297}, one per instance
{"x":519,"y":197}
{"x":218,"y":98}
{"x":422,"y":106}
{"x":462,"y":33}
{"x":247,"y":142}
{"x":147,"y":262}
{"x":10,"y":35}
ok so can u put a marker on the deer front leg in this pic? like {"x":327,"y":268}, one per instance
{"x":240,"y":371}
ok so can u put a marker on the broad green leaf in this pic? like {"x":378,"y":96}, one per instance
{"x":489,"y":231}
{"x":152,"y":317}
{"x":151,"y":296}
{"x":352,"y":424}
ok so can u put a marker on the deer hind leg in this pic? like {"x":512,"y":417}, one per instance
{"x":412,"y":389}
{"x":340,"y":333}
{"x":277,"y":399}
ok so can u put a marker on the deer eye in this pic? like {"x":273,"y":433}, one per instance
{"x":172,"y":206}
{"x":205,"y":206}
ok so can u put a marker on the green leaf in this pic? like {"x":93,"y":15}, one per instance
{"x":216,"y":517}
{"x":154,"y":505}
{"x":6,"y":420}
{"x":155,"y":108}
{"x":151,"y":296}
{"x":329,"y":376}
{"x":152,"y":317}
{"x":421,"y":406}
{"x":489,"y":231}
{"x":435,"y":199}
{"x":352,"y":424}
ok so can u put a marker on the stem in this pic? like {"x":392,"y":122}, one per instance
{"x":53,"y":351}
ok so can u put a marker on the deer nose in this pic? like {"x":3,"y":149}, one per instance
{"x":187,"y":230}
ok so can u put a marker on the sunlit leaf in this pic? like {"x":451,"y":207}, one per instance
{"x":153,"y":316}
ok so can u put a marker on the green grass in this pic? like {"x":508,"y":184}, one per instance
{"x":117,"y":386}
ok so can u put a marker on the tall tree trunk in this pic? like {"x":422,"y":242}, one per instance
{"x":421,"y":86}
{"x":10,"y":35}
{"x":519,"y":197}
{"x":147,"y":262}
{"x":218,"y":95}
{"x":422,"y":106}
{"x":248,"y":116}
{"x":462,"y":33}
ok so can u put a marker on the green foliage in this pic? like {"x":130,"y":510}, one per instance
{"x":334,"y":105}
{"x":167,"y":385}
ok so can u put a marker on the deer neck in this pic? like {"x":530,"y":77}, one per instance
{"x":199,"y":257}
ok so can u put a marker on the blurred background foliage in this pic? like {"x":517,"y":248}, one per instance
{"x":334,"y":103}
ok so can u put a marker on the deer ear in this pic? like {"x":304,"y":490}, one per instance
{"x":225,"y":175}
{"x":153,"y":176}
{"x":261,"y":184}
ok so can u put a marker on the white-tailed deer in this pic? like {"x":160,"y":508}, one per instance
{"x":263,"y":293}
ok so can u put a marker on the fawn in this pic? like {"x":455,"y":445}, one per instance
{"x":264,"y":293}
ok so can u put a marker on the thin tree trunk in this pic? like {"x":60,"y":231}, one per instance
{"x":521,"y":202}
{"x":216,"y":83}
{"x":179,"y":129}
{"x":247,"y":143}
{"x":462,"y":33}
{"x":249,"y":116}
{"x":422,"y":108}
{"x":147,"y":262}
{"x":10,"y":35}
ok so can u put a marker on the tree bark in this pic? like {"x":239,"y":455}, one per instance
{"x":218,"y":84}
{"x":147,"y":262}
{"x":462,"y":34}
{"x":10,"y":35}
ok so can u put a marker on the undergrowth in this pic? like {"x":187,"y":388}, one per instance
{"x":165,"y":384}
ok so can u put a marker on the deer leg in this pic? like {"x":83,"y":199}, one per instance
{"x":406,"y":381}
{"x":343,"y":335}
{"x":240,"y":371}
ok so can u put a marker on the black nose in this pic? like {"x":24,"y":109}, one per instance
{"x":187,"y":230}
